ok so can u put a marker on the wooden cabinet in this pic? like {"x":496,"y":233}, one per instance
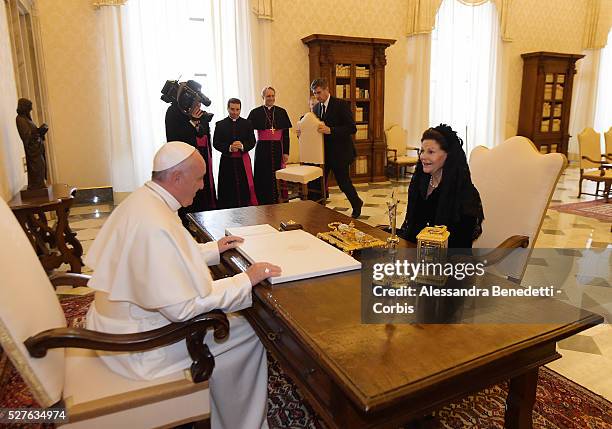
{"x":546,"y":97}
{"x":355,"y":70}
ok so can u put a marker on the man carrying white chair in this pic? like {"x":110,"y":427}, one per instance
{"x":312,"y":158}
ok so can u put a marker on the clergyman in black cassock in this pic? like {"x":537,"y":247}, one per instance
{"x":234,"y":138}
{"x":338,"y":128}
{"x":193,"y":131}
{"x":272,"y":150}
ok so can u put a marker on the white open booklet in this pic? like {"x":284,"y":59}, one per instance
{"x":300,"y":254}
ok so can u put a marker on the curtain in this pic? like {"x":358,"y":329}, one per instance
{"x":150,"y":41}
{"x":603,"y":104}
{"x":417,"y":87}
{"x":583,"y":99}
{"x":464,"y":84}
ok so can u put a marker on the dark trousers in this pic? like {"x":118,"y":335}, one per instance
{"x":341,"y":173}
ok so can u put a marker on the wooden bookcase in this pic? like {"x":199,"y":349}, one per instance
{"x":355,"y":70}
{"x":546,"y":96}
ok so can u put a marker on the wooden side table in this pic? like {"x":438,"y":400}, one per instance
{"x":54,"y":243}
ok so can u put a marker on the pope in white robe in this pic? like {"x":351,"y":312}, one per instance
{"x":148,"y":272}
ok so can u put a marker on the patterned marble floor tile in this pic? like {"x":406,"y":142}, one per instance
{"x":580,"y":343}
{"x":87,"y":234}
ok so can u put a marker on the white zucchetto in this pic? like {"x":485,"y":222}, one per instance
{"x":171,"y":154}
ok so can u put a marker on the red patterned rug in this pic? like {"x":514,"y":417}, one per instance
{"x":597,"y":209}
{"x":560,"y":402}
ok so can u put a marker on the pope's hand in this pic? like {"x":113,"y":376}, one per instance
{"x":262,"y":270}
{"x":229,"y":242}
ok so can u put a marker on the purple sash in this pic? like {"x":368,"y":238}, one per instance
{"x":203,"y":142}
{"x":246,"y":161}
{"x":269,"y":135}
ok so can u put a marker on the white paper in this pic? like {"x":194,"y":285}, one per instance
{"x":247,"y":231}
{"x":299,"y":254}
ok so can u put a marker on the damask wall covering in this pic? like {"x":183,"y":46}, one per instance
{"x":74,"y":61}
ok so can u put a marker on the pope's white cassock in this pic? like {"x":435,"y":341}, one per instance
{"x":147,"y":272}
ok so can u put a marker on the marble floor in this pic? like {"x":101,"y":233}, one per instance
{"x":587,"y":357}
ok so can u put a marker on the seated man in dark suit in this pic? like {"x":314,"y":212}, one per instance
{"x":338,"y":128}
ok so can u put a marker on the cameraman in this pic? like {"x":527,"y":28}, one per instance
{"x":192,"y":129}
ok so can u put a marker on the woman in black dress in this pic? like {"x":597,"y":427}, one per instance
{"x":441,"y":191}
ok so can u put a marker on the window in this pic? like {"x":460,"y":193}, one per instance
{"x":463,"y":77}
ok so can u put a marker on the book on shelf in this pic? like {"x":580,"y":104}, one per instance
{"x":362,"y":132}
{"x":340,"y":91}
{"x":359,"y":114}
{"x":362,"y":71}
{"x":362,"y":93}
{"x":343,"y":70}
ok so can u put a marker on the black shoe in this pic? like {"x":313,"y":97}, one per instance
{"x":357,"y":210}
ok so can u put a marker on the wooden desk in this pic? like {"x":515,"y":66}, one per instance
{"x":54,"y":244}
{"x":357,"y":375}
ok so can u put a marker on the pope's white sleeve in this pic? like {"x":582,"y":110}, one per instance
{"x":229,"y":295}
{"x":210,"y":252}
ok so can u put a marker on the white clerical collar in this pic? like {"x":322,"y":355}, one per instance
{"x":165,"y":195}
{"x":233,"y":120}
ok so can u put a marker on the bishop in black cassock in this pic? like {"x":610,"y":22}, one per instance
{"x":272,"y":151}
{"x":234,"y":138}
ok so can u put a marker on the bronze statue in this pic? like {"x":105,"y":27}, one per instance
{"x":33,"y":138}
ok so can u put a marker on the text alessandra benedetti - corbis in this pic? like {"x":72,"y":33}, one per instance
{"x":493,"y":290}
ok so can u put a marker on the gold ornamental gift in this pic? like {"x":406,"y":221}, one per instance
{"x":348,"y":238}
{"x":432,"y":244}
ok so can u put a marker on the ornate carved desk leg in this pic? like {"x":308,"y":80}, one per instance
{"x":63,"y":233}
{"x":521,"y":398}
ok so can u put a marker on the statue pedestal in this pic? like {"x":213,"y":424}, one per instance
{"x":45,"y":192}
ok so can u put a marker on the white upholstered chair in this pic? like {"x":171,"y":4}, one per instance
{"x":311,"y":160}
{"x":592,"y":167}
{"x":399,"y":153}
{"x":515,"y":183}
{"x":77,"y":379}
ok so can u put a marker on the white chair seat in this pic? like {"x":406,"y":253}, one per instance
{"x":299,"y":173}
{"x":120,"y":399}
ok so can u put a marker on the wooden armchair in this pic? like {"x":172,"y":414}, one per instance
{"x":397,"y":150}
{"x":59,"y":365}
{"x":593,"y":165}
{"x":515,"y":183}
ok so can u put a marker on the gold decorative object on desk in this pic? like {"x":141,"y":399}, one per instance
{"x":348,"y":238}
{"x":432,"y":246}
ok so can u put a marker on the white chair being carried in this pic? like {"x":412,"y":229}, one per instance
{"x":52,"y":359}
{"x":311,"y":152}
{"x":398,"y":150}
{"x":515,"y":183}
